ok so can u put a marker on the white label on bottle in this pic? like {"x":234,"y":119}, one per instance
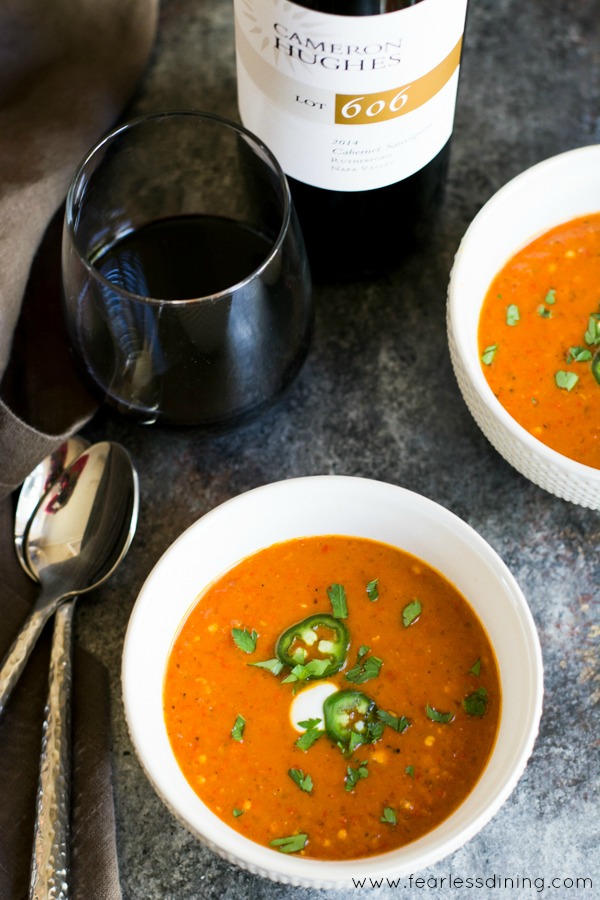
{"x":349,"y":103}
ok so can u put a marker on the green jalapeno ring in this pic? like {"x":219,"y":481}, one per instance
{"x":304,"y":635}
{"x":596,"y":366}
{"x":348,"y":713}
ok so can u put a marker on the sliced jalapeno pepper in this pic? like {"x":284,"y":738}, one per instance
{"x":349,"y":713}
{"x":319,"y":637}
{"x":596,"y":366}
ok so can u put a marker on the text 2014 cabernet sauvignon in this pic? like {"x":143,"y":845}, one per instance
{"x":356,"y":98}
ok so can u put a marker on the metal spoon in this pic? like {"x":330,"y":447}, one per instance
{"x":76,"y":538}
{"x":56,"y":756}
{"x":107,"y":498}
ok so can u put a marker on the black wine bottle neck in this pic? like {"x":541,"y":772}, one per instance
{"x":356,"y":7}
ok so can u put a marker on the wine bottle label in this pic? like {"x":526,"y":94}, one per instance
{"x":349,"y":103}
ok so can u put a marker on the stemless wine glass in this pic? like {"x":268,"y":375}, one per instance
{"x":186,"y":287}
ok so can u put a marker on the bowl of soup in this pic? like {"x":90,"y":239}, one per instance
{"x":330,"y":678}
{"x":523,"y":321}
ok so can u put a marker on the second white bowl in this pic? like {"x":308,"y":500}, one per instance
{"x":551,"y":192}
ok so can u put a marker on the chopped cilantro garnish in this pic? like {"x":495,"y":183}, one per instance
{"x":436,"y":716}
{"x":410,"y":771}
{"x":237,"y":812}
{"x":475,"y":668}
{"x":244,"y":639}
{"x":476,"y":703}
{"x":411,"y":612}
{"x":337,"y":596}
{"x":313,"y":669}
{"x":309,"y":723}
{"x":578,"y":354}
{"x":237,"y":732}
{"x":375,"y":731}
{"x":373,"y":590}
{"x":566,"y":380}
{"x":353,"y":776}
{"x":389,"y":816}
{"x":512,"y":314}
{"x":398,"y":723}
{"x":592,"y":334}
{"x":291,"y":844}
{"x":366,"y":667}
{"x":306,"y":740}
{"x":487,"y":357}
{"x":304,"y":782}
{"x":356,"y":740}
{"x":271,"y":665}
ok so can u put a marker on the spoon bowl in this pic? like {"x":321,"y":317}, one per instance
{"x":38,"y":483}
{"x":84,"y":525}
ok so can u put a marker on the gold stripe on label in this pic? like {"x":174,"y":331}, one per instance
{"x":365,"y":109}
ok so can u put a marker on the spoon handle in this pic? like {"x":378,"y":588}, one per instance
{"x":17,"y":656}
{"x":50,"y":858}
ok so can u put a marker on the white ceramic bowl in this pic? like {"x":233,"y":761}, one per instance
{"x":549,"y":193}
{"x":332,"y":505}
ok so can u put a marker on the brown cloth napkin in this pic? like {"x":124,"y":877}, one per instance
{"x":67,"y":70}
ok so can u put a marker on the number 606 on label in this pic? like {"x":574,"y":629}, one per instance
{"x":351,"y":109}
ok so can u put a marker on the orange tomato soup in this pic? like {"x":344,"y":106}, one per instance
{"x":539,"y":338}
{"x":411,"y":645}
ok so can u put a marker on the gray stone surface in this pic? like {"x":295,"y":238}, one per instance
{"x":377,"y":397}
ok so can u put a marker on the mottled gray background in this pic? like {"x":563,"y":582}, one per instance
{"x":377,"y":398}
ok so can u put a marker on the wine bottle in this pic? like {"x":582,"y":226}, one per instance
{"x":356,"y":98}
